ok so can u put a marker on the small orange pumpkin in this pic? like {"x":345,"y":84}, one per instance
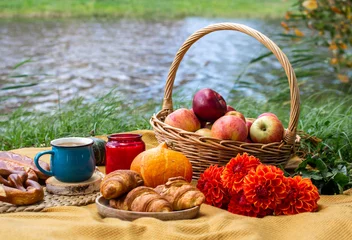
{"x":158,"y":164}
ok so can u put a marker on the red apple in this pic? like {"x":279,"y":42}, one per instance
{"x":208,"y":105}
{"x":206,"y":132}
{"x":230,"y":108}
{"x":202,"y":123}
{"x":236,"y":113}
{"x":229,"y":127}
{"x":249,"y":122}
{"x":267,"y":114}
{"x":184,"y":119}
{"x":267,"y":129}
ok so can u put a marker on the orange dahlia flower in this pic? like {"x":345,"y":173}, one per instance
{"x":209,"y":183}
{"x":240,"y":205}
{"x":236,"y":169}
{"x":265,"y":187}
{"x":302,"y":196}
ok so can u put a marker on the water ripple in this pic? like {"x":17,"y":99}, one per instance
{"x":88,"y":58}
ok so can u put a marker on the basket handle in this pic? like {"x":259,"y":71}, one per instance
{"x":290,"y":134}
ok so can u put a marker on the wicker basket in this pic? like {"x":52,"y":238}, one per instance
{"x":205,"y":151}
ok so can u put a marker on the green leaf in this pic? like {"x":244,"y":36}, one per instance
{"x":287,"y":174}
{"x":302,"y":165}
{"x":261,"y":57}
{"x":288,"y":36}
{"x":318,"y":164}
{"x":330,"y":174}
{"x":20,"y":76}
{"x":22,"y":63}
{"x":19,"y":86}
{"x":341,"y":179}
{"x":313,"y":175}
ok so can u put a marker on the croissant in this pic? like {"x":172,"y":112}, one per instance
{"x":119,"y":182}
{"x":180,"y":193}
{"x":146,"y":199}
{"x":119,"y":203}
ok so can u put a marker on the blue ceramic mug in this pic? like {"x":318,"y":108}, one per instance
{"x":72,"y":159}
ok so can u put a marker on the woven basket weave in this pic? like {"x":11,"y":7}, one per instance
{"x":205,"y":151}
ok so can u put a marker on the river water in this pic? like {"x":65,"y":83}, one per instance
{"x":88,"y":58}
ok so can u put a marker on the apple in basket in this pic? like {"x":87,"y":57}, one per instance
{"x":208,"y":105}
{"x":230,"y":128}
{"x":230,"y":108}
{"x":206,"y":132}
{"x":249,"y":122}
{"x":267,"y":114}
{"x":236,"y":113}
{"x":267,"y":129}
{"x":184,"y":119}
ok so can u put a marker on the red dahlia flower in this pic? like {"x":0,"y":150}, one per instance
{"x":236,"y":169}
{"x":302,"y":196}
{"x":240,"y":205}
{"x":265,"y":187}
{"x":209,"y":183}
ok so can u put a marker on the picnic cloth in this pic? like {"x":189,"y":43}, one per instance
{"x":332,"y":221}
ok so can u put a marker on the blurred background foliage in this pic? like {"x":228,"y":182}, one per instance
{"x":327,"y":25}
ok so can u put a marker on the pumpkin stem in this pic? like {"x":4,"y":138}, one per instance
{"x":163,"y":145}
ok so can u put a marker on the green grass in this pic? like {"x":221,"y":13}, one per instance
{"x":144,"y":8}
{"x":107,"y":115}
{"x":329,"y":120}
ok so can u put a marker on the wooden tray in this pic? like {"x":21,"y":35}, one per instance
{"x":106,"y":211}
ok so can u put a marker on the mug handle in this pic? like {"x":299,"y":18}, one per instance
{"x":36,"y":161}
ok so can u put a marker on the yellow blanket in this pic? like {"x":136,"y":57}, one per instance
{"x":332,"y":221}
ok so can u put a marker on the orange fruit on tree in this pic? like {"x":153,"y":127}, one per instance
{"x":158,"y":164}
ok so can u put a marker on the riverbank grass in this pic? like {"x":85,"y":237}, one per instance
{"x":330,"y":120}
{"x":151,"y":9}
{"x":328,"y":124}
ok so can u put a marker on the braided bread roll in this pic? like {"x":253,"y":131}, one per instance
{"x":119,"y":182}
{"x":180,"y":193}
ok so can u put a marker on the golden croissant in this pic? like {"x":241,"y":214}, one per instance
{"x":180,"y":193}
{"x":146,"y":199}
{"x":119,"y":182}
{"x":119,"y":203}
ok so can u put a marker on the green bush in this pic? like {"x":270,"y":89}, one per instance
{"x":328,"y":23}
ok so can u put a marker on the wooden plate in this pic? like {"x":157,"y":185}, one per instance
{"x":106,"y":211}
